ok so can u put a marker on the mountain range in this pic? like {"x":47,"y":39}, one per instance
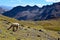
{"x":34,"y":12}
{"x":4,"y":9}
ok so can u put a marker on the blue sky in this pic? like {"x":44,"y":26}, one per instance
{"x":39,"y":3}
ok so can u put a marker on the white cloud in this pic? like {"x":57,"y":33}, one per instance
{"x":40,"y":5}
{"x":52,"y":0}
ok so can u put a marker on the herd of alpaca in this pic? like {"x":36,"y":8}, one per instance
{"x":14,"y":25}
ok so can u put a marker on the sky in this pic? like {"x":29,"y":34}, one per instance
{"x":39,"y":3}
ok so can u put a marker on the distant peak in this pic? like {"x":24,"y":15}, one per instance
{"x":19,"y":6}
{"x":35,"y":6}
{"x":58,"y":3}
{"x":27,"y":6}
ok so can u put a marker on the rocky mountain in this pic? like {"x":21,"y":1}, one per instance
{"x":35,"y":12}
{"x":4,"y":9}
{"x":1,"y":10}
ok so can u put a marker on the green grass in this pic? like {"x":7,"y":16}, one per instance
{"x":47,"y":26}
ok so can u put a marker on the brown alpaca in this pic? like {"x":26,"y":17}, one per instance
{"x":14,"y":25}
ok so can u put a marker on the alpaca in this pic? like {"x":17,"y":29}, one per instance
{"x":14,"y":25}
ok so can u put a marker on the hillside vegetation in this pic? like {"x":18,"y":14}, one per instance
{"x":30,"y":30}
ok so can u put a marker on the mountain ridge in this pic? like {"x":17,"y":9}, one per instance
{"x":34,"y":12}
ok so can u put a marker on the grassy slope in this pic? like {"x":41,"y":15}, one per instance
{"x":49,"y":28}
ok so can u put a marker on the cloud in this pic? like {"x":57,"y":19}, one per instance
{"x":40,"y":5}
{"x":52,"y":0}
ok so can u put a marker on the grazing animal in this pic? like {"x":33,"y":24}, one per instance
{"x":14,"y":25}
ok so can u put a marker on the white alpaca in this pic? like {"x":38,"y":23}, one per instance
{"x":17,"y":24}
{"x":14,"y":25}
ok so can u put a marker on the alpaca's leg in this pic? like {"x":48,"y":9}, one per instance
{"x":13,"y":28}
{"x":9,"y":27}
{"x":16,"y":28}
